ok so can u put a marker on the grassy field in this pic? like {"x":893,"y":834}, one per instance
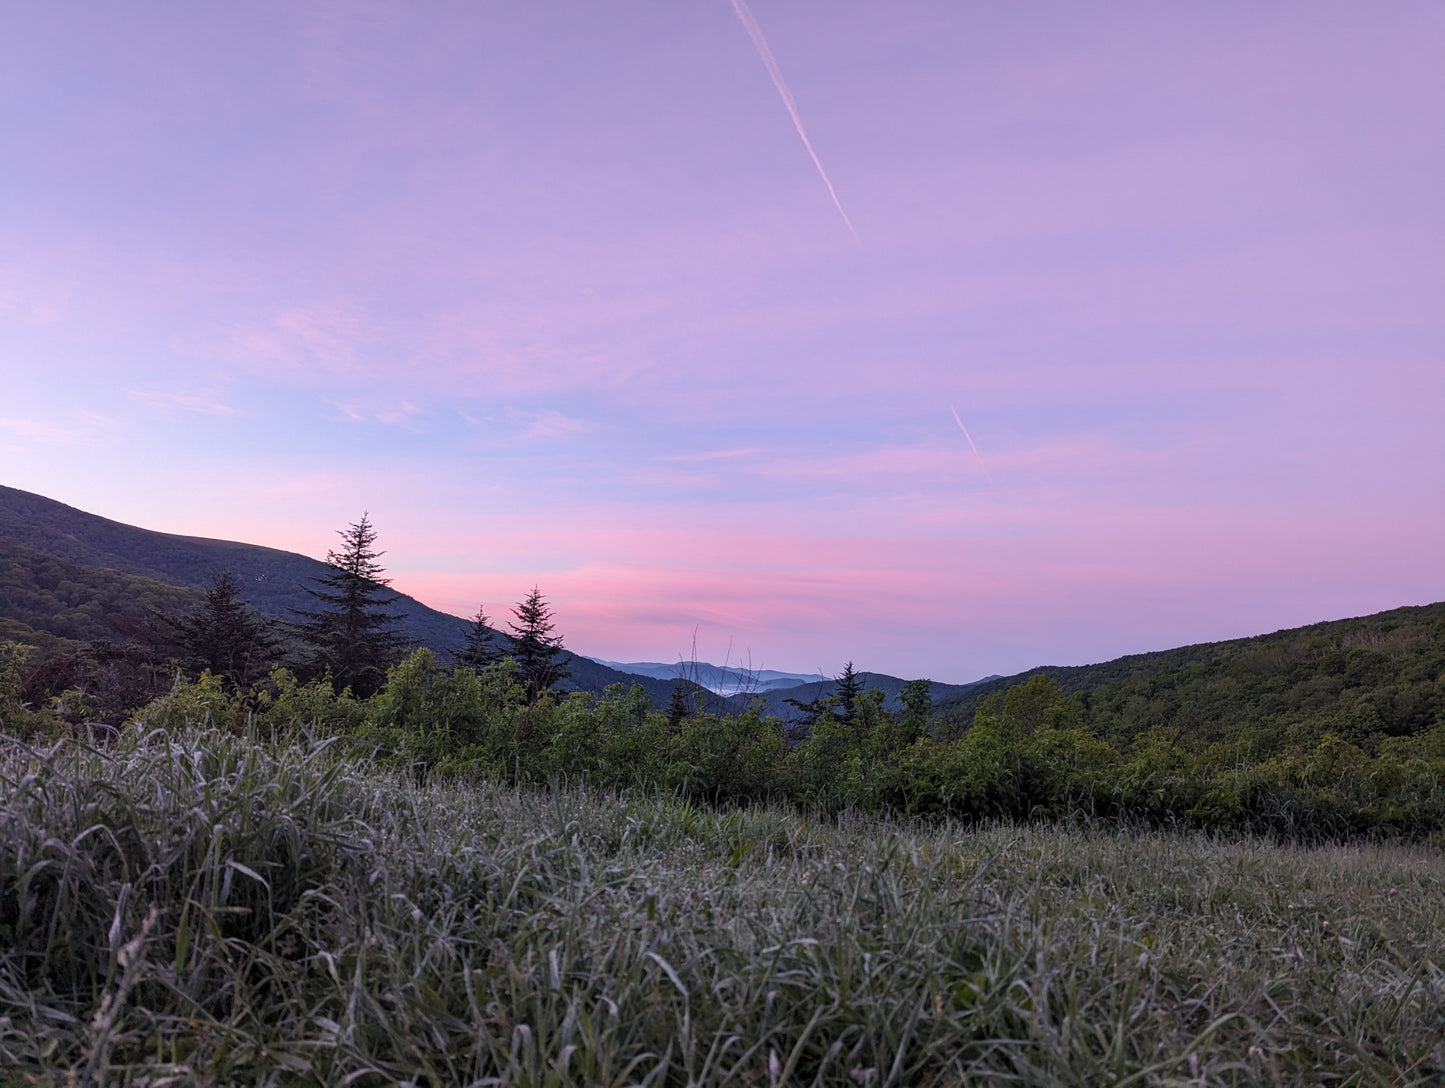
{"x":196,"y":908}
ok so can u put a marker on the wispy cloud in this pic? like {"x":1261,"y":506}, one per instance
{"x":327,"y":333}
{"x":714,"y":455}
{"x":760,"y":43}
{"x":546,"y":424}
{"x":314,"y":340}
{"x":350,"y":411}
{"x":520,"y":423}
{"x":205,"y":401}
{"x":971,"y":446}
{"x":403,"y":414}
{"x":40,"y":432}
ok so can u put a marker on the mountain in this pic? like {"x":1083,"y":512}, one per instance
{"x":1362,"y":678}
{"x":68,"y":577}
{"x":719,"y":679}
{"x":66,"y":573}
{"x":58,"y":606}
{"x":776,"y":698}
{"x":737,"y":686}
{"x":272,"y":581}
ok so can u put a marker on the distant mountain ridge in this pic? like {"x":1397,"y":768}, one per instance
{"x":739,"y":686}
{"x":719,"y":679}
{"x":776,"y":699}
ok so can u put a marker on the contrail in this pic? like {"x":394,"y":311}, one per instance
{"x":971,"y":446}
{"x":760,"y":43}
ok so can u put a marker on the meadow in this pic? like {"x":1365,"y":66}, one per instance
{"x":187,"y":906}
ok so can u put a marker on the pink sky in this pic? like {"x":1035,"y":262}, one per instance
{"x":558,"y":295}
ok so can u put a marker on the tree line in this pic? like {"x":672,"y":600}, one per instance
{"x":350,"y":638}
{"x":1026,"y":756}
{"x":1026,"y":752}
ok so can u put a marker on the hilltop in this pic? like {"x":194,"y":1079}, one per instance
{"x":68,"y":574}
{"x":1362,"y":678}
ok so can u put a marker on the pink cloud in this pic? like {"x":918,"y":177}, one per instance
{"x":40,"y":432}
{"x":206,"y":402}
{"x":715,"y":455}
{"x":545,"y":424}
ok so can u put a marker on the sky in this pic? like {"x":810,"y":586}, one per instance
{"x":946,"y":338}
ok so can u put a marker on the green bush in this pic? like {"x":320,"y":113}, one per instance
{"x":1027,"y":756}
{"x":201,"y":702}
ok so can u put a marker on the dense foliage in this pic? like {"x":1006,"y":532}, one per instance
{"x":204,"y":908}
{"x":1027,"y":755}
{"x":1364,"y":680}
{"x":61,"y":605}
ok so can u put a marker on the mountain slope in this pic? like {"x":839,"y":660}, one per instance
{"x":272,"y":581}
{"x":1365,"y":677}
{"x":57,"y":605}
{"x":126,"y":567}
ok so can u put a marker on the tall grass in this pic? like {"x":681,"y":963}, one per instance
{"x":199,"y":908}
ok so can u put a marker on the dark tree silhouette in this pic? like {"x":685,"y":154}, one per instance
{"x":534,"y":647}
{"x":679,"y":709}
{"x":227,"y":636}
{"x":480,"y":649}
{"x":850,"y":686}
{"x":352,"y":636}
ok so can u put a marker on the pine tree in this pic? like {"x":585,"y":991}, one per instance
{"x":850,"y":686}
{"x":227,"y":636}
{"x":480,"y":649}
{"x":352,"y":636}
{"x":534,"y":647}
{"x":679,"y":709}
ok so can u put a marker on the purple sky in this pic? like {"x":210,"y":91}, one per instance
{"x":556,"y":292}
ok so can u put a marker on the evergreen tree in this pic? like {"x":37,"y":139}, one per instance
{"x":352,"y":635}
{"x":480,"y":649}
{"x":227,"y":636}
{"x":534,"y":647}
{"x":917,"y":700}
{"x":850,"y":686}
{"x":679,"y":709}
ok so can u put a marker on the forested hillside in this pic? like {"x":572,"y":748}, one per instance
{"x":68,"y":577}
{"x":272,"y":581}
{"x":70,"y":580}
{"x":1362,"y":679}
{"x":1335,"y":730}
{"x":58,"y":606}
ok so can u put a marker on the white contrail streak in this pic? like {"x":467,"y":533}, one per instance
{"x":971,"y":446}
{"x":760,"y":43}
